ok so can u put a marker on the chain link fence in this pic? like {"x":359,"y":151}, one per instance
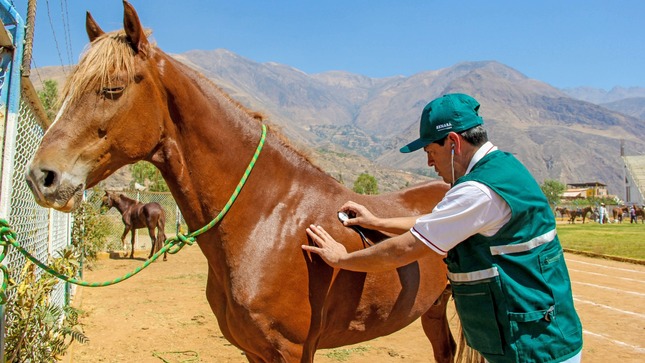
{"x":40,"y":231}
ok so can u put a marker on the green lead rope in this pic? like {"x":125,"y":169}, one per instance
{"x":171,"y":245}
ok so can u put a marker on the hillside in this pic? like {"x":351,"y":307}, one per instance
{"x":353,"y":123}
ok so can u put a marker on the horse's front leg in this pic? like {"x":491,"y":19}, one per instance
{"x":125,"y":248}
{"x":133,"y":233}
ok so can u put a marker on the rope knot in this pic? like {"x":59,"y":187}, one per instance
{"x":178,"y":242}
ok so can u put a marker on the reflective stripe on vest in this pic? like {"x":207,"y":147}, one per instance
{"x":473,"y":276}
{"x":525,"y":246}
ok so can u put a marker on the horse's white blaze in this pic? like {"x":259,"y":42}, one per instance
{"x":59,"y":114}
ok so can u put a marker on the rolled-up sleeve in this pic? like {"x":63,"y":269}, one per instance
{"x":467,"y":209}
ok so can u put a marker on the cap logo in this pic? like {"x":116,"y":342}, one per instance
{"x":445,"y":126}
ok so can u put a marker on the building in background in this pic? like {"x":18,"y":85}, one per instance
{"x":634,"y":179}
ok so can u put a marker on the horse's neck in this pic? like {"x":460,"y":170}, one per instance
{"x":210,"y":143}
{"x":123,"y":204}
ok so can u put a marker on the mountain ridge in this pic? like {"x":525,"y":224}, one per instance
{"x":338,"y":113}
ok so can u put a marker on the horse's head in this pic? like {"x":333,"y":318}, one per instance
{"x":110,"y":115}
{"x":107,"y":202}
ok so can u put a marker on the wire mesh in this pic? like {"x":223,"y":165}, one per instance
{"x":40,"y":231}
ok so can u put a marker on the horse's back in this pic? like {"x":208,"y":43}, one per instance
{"x":418,"y":199}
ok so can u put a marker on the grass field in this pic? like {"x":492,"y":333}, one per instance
{"x":621,"y":240}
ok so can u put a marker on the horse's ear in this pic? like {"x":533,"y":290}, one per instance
{"x":133,"y":29}
{"x":93,"y":29}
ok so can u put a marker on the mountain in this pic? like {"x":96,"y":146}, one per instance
{"x":600,"y":96}
{"x":629,"y":101}
{"x":355,"y":124}
{"x":632,"y":106}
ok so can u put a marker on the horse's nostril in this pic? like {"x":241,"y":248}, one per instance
{"x":50,"y":178}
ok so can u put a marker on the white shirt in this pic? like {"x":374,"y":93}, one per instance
{"x":467,"y":209}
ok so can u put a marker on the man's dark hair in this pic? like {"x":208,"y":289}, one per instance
{"x":476,"y":136}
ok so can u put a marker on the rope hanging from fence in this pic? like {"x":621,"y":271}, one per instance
{"x":171,"y":245}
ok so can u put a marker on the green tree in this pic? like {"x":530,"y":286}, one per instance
{"x":366,"y":184}
{"x":146,"y":174}
{"x":553,"y":190}
{"x":48,"y":97}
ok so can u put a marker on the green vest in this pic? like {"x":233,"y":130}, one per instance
{"x":512,"y":290}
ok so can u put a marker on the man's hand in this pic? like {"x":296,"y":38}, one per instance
{"x":359,"y":216}
{"x":328,"y":249}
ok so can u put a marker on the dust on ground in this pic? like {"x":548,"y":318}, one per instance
{"x":161,"y":315}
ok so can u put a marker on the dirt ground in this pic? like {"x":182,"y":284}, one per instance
{"x":161,"y":315}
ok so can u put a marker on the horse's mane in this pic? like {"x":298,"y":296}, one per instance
{"x":107,"y":62}
{"x":117,"y":196}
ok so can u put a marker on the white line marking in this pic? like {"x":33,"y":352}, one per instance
{"x":608,"y":288}
{"x":642,"y":316}
{"x":609,"y":267}
{"x":618,"y":342}
{"x":605,"y":275}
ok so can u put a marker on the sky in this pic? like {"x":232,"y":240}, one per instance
{"x":565,"y":43}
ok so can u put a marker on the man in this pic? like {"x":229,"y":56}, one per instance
{"x":510,"y":283}
{"x":603,"y":213}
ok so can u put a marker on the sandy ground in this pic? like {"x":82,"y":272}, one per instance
{"x":161,"y":315}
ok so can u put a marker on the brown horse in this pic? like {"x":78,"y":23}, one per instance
{"x":128,"y":101}
{"x":573,"y":214}
{"x":563,"y":211}
{"x":137,"y":215}
{"x":618,"y":213}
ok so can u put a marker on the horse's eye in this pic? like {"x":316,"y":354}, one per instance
{"x":112,"y":92}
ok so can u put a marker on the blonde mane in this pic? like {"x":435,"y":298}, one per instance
{"x":107,"y":62}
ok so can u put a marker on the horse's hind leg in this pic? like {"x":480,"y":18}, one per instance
{"x":132,"y":233}
{"x":435,"y":326}
{"x":153,"y":241}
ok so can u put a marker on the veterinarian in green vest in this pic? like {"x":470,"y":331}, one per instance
{"x":509,"y":279}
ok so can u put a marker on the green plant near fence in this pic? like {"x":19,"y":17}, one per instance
{"x":90,"y":230}
{"x":38,"y":330}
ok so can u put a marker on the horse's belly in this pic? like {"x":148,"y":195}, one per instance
{"x":387,"y":302}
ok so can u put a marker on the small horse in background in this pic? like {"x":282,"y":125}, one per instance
{"x":579,"y":213}
{"x":618,"y":213}
{"x":563,"y":211}
{"x":138,"y":215}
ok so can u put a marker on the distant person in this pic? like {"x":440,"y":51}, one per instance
{"x":632,"y":215}
{"x":506,"y":266}
{"x":602,"y":211}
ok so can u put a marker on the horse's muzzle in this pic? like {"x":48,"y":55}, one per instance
{"x":51,"y":190}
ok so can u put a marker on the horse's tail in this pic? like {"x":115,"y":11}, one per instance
{"x":466,"y":354}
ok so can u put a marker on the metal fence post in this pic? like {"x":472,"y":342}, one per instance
{"x":11,"y":58}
